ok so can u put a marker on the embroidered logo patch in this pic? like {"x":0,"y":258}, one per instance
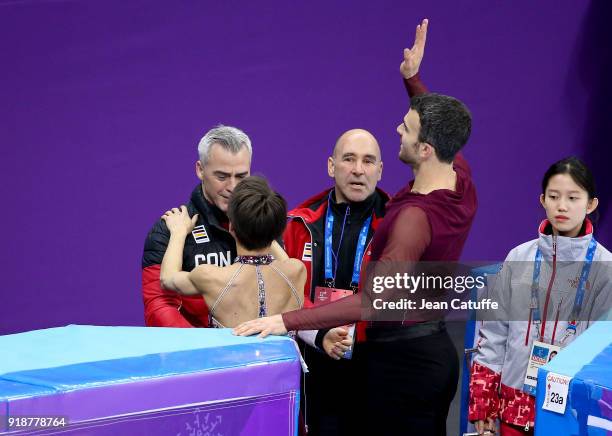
{"x":307,"y":254}
{"x":200,"y":235}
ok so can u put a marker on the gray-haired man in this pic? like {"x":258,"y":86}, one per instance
{"x":224,"y":160}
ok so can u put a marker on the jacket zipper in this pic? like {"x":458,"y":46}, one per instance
{"x":528,"y":328}
{"x":552,"y":279}
{"x":552,"y":341}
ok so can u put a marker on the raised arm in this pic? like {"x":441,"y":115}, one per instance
{"x":409,"y":68}
{"x":347,"y":310}
{"x":412,"y":62}
{"x":171,"y":276}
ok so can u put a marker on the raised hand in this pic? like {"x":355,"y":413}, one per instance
{"x":413,"y":56}
{"x":178,"y":220}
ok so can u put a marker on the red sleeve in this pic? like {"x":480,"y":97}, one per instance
{"x":294,"y":242}
{"x":161,"y":306}
{"x":289,"y":240}
{"x":409,"y":237}
{"x":484,"y":397}
{"x":414,"y":86}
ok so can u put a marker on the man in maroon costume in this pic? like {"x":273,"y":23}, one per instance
{"x":411,"y":368}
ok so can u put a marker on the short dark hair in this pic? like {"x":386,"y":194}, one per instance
{"x":446,"y":123}
{"x":576,"y":169}
{"x":257,"y":213}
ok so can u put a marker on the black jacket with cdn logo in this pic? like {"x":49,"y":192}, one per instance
{"x":210,"y":243}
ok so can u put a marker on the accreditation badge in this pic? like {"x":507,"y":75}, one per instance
{"x":541,"y":354}
{"x":324,"y":294}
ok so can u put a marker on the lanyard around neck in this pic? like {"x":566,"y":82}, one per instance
{"x":331,"y":258}
{"x":578,"y":300}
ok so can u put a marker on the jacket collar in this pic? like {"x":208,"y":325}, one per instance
{"x":358,"y":211}
{"x":213,"y":214}
{"x":313,"y":209}
{"x":568,"y":249}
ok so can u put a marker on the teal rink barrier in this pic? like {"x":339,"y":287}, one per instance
{"x":154,"y":381}
{"x":587,"y":361}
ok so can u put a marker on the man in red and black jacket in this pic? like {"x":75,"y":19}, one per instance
{"x":350,"y":211}
{"x":224,"y":160}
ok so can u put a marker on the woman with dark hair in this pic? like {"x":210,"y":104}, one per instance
{"x":262,"y":281}
{"x":551,"y":289}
